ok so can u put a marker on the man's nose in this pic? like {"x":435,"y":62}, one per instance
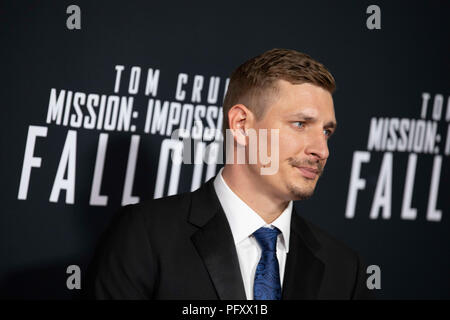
{"x":317,"y":145}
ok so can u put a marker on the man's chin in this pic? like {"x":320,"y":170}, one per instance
{"x":301,"y":194}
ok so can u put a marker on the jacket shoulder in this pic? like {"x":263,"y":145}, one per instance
{"x":344,"y":266}
{"x":162,"y":210}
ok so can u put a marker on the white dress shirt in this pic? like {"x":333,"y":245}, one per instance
{"x":243,"y":222}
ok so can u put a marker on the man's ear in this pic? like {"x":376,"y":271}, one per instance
{"x":238,"y":118}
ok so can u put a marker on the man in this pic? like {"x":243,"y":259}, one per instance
{"x":238,"y":236}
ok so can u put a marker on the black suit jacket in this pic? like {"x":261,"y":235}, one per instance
{"x":181,"y":247}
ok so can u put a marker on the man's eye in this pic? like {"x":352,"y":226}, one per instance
{"x":300,"y":124}
{"x":327,"y":132}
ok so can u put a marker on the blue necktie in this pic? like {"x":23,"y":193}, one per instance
{"x":267,"y":277}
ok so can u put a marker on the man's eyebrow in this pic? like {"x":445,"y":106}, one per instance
{"x":306,"y":117}
{"x":331,"y":125}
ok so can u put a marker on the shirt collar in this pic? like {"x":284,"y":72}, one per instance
{"x":244,"y":220}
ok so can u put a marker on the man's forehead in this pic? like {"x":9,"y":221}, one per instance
{"x":304,"y":93}
{"x":306,"y":99}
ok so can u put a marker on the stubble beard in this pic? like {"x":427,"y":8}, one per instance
{"x":305,"y":191}
{"x":301,"y":193}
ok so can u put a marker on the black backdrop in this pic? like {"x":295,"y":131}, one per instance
{"x":381,"y":75}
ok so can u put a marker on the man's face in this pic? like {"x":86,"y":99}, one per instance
{"x":304,"y":115}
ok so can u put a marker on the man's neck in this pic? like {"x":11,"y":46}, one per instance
{"x":240,"y":181}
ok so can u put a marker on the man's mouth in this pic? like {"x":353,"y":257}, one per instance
{"x":308,"y":172}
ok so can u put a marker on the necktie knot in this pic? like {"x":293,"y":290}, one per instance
{"x":267,"y":238}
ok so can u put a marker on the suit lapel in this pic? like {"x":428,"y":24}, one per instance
{"x":214,"y":243}
{"x":304,"y":270}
